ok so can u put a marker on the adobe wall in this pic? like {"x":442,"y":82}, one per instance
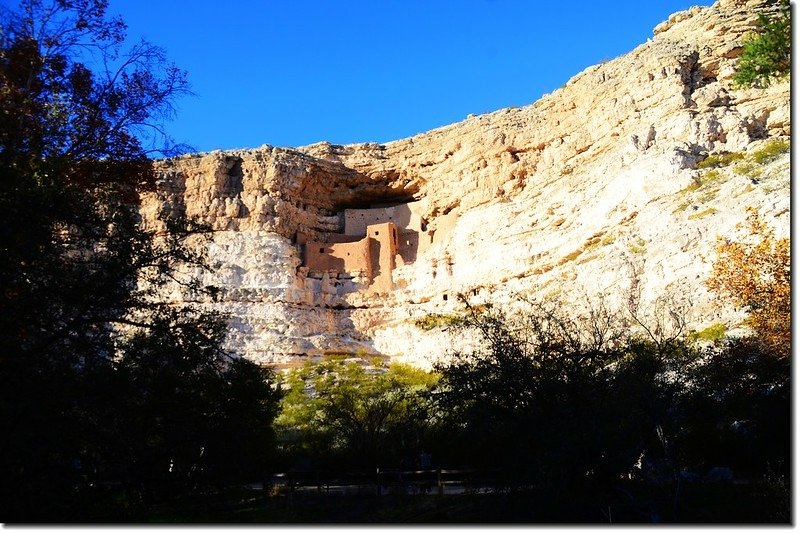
{"x":342,"y":257}
{"x":374,"y":255}
{"x":338,"y":237}
{"x":404,"y":216}
{"x":409,"y":246}
{"x":383,"y":239}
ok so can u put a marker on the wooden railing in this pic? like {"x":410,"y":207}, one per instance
{"x":380,"y":482}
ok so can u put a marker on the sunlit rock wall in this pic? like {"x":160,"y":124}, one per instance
{"x":566,"y":197}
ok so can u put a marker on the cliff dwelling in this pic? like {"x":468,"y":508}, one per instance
{"x":372,"y":242}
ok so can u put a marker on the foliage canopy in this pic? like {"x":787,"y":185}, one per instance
{"x":569,"y":403}
{"x":105,"y":385}
{"x":365,"y":416}
{"x":755,"y":273}
{"x":767,"y":53}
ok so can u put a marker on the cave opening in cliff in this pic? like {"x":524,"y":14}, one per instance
{"x":374,"y":200}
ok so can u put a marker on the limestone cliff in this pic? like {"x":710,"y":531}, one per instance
{"x":565,"y":196}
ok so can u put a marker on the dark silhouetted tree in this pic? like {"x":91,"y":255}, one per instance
{"x":539,"y":402}
{"x":102,"y":381}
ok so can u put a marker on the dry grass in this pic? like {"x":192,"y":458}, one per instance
{"x":771,"y":151}
{"x":722,"y":159}
{"x":703,"y":214}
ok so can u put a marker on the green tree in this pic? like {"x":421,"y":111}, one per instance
{"x":88,"y":353}
{"x":767,"y":53}
{"x":359,"y":415}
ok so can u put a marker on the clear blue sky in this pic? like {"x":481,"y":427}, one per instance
{"x":294,"y":72}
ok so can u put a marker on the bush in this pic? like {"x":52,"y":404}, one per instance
{"x":438,"y":320}
{"x":755,"y":274}
{"x":703,"y":214}
{"x":712,"y":333}
{"x":540,"y":403}
{"x":569,"y":405}
{"x":748,"y":169}
{"x":737,"y":412}
{"x":771,"y":151}
{"x":720,"y":160}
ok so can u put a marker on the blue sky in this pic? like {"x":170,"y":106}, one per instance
{"x":294,"y":72}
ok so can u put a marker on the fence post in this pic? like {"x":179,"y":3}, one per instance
{"x":439,"y":481}
{"x":378,"y":480}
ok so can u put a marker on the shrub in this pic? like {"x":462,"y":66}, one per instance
{"x":711,"y":176}
{"x":693,"y":186}
{"x":771,"y":150}
{"x":749,"y":170}
{"x":349,"y":414}
{"x":708,"y":196}
{"x":720,"y":160}
{"x":702,"y":214}
{"x":638,"y":247}
{"x":438,"y":320}
{"x":560,"y":399}
{"x":682,"y":207}
{"x":608,"y":239}
{"x":712,"y":333}
{"x":738,"y":413}
{"x":755,"y":274}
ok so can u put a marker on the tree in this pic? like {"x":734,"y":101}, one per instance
{"x":539,"y":401}
{"x":767,"y":53}
{"x":577,"y":408}
{"x":88,"y":352}
{"x":739,"y":411}
{"x":362,"y":416}
{"x":755,"y":274}
{"x":73,"y":165}
{"x":185,"y":415}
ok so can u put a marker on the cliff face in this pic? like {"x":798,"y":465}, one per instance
{"x":567,"y":197}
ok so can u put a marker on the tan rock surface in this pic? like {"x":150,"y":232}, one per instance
{"x":563,"y":197}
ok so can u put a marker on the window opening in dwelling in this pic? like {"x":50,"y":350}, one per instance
{"x":444,"y":297}
{"x":322,"y":250}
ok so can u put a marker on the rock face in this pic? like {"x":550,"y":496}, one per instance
{"x":568,"y":196}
